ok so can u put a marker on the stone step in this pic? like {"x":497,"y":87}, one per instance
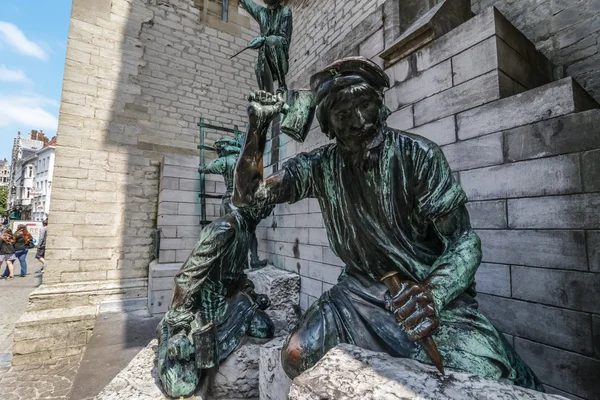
{"x":482,"y":60}
{"x":549,"y":101}
{"x":349,"y":372}
{"x":49,"y":334}
{"x":567,"y":134}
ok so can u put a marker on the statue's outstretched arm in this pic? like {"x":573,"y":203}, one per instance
{"x":250,"y":185}
{"x":252,"y":8}
{"x":217,"y":166}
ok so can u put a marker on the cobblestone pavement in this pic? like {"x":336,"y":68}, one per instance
{"x":48,"y":381}
{"x":14,"y":295}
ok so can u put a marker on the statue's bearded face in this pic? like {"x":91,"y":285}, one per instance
{"x":354,"y":117}
{"x":272,"y":2}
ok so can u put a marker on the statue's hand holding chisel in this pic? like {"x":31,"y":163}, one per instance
{"x":414,"y":310}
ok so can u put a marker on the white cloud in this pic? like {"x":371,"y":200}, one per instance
{"x":28,"y":111}
{"x":12,"y":75}
{"x":14,"y":37}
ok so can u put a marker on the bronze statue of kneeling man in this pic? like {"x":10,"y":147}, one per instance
{"x":392,"y":209}
{"x":214,"y":304}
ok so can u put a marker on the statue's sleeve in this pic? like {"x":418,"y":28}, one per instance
{"x":252,"y":8}
{"x":299,"y":174}
{"x":285,"y":29}
{"x":441,"y":202}
{"x":217,"y":166}
{"x":437,"y":192}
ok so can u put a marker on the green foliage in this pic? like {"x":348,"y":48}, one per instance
{"x":3,"y":200}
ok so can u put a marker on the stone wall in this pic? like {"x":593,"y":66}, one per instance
{"x":566,"y":31}
{"x":525,"y":149}
{"x":138,"y":77}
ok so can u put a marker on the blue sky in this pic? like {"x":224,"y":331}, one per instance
{"x":33,"y":45}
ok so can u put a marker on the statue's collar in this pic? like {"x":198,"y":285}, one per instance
{"x":377,"y":140}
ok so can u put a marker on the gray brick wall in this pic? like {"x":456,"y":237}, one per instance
{"x":525,"y":148}
{"x":138,"y":77}
{"x":568,"y":32}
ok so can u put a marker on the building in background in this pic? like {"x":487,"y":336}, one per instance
{"x":23,"y":179}
{"x":4,"y":172}
{"x":43,"y":181}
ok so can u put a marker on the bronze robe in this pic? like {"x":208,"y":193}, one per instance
{"x":379,"y":218}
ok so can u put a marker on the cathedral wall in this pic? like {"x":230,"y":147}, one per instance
{"x":139,"y":75}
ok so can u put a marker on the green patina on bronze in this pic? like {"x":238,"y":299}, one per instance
{"x":273,"y":45}
{"x":228,"y":151}
{"x":211,"y":288}
{"x":389,"y":204}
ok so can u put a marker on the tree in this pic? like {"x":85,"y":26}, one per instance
{"x":3,"y":200}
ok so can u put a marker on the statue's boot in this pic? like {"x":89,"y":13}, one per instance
{"x":176,"y":366}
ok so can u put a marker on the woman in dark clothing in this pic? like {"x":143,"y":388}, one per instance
{"x":23,"y":242}
{"x":7,"y":252}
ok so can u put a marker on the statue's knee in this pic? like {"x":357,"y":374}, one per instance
{"x":292,"y":356}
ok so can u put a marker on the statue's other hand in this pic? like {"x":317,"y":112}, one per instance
{"x":414,"y":310}
{"x":180,"y":347}
{"x":257,"y":42}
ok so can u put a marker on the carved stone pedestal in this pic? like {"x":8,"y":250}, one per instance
{"x":348,"y":372}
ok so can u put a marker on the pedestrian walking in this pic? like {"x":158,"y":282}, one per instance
{"x":41,"y":251}
{"x":7,"y":252}
{"x":23,"y":242}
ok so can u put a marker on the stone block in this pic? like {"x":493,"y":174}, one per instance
{"x":546,"y":176}
{"x":273,"y":382}
{"x":537,"y":322}
{"x":427,"y":83}
{"x":442,"y":131}
{"x":493,"y":279}
{"x":478,"y":60}
{"x":237,"y":377}
{"x":372,"y":46}
{"x":348,"y":372}
{"x":160,"y":301}
{"x":311,"y":287}
{"x":400,"y":71}
{"x":590,"y":165}
{"x":567,"y":289}
{"x":463,"y":37}
{"x":568,"y":134}
{"x":593,"y":241}
{"x":474,"y":93}
{"x":182,"y":160}
{"x":549,"y":101}
{"x":555,"y":212}
{"x":283,"y":289}
{"x":436,"y":22}
{"x":596,"y":335}
{"x":140,"y":381}
{"x":488,"y":214}
{"x":401,"y":119}
{"x":322,"y":272}
{"x":570,"y":372}
{"x":551,"y":249}
{"x":480,"y":152}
